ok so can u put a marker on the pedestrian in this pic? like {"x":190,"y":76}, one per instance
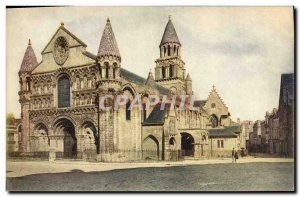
{"x":236,"y":156}
{"x":232,"y":155}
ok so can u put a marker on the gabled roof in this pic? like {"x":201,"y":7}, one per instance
{"x":29,"y":60}
{"x":68,"y":32}
{"x":140,"y":80}
{"x":199,"y":103}
{"x":157,"y":116}
{"x":170,"y":35}
{"x":108,"y":44}
{"x":214,"y":92}
{"x":90,"y":55}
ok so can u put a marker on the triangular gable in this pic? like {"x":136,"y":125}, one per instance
{"x":214,"y":97}
{"x":62,"y":31}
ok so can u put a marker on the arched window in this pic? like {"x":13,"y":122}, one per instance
{"x":28,"y":84}
{"x":163,"y":71}
{"x":164,"y":51}
{"x":144,"y":101}
{"x":128,"y":112}
{"x":177,"y":50}
{"x":214,"y":121}
{"x":169,"y":50}
{"x":171,"y":70}
{"x":36,"y":87}
{"x":63,"y":91}
{"x":114,"y":70}
{"x":85,"y":82}
{"x":174,"y":49}
{"x":106,"y":70}
{"x":100,"y":69}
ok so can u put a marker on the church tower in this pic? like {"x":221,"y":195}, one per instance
{"x":109,"y":83}
{"x":109,"y":61}
{"x":28,"y":64}
{"x":169,"y":70}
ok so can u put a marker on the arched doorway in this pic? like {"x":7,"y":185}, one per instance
{"x":66,"y":129}
{"x":187,"y":144}
{"x":150,"y":148}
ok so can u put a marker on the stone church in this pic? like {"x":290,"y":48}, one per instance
{"x":60,"y":113}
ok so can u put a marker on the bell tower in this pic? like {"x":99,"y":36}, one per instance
{"x":169,"y":69}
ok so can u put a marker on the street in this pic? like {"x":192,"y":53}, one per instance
{"x":250,"y":176}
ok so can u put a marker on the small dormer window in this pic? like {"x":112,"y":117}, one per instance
{"x":213,"y":105}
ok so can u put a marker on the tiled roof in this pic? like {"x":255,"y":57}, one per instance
{"x":199,"y":103}
{"x":234,"y":128}
{"x":29,"y":61}
{"x":229,"y":131}
{"x":170,"y":35}
{"x":134,"y":78}
{"x":157,"y":115}
{"x":108,"y":44}
{"x":90,"y":55}
{"x":140,"y":81}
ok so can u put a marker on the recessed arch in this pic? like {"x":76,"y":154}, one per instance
{"x":129,"y":88}
{"x":65,"y":128}
{"x":214,"y":120}
{"x":42,"y":140}
{"x":187,"y":144}
{"x":172,"y":143}
{"x":91,"y":136}
{"x":150,"y":147}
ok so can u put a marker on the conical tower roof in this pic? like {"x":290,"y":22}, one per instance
{"x":29,"y":60}
{"x":108,"y":44}
{"x":170,"y":35}
{"x":150,"y":80}
{"x":188,"y":77}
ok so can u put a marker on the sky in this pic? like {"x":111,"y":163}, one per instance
{"x":241,"y":50}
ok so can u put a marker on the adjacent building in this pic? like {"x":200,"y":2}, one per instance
{"x":286,"y":115}
{"x":276,"y":133}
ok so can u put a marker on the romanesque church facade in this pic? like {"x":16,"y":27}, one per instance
{"x":59,"y":104}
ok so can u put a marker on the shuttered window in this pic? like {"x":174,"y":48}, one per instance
{"x":64,"y":92}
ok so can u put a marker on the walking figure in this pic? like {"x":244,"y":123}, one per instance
{"x":233,"y":155}
{"x":236,"y":156}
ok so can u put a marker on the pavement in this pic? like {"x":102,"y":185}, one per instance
{"x":23,"y":168}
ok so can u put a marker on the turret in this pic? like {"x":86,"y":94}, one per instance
{"x":28,"y":64}
{"x":150,"y":80}
{"x":188,"y":85}
{"x":109,"y":60}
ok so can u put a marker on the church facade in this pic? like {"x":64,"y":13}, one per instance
{"x":60,"y":112}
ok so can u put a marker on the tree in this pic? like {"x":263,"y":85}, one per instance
{"x":10,"y":119}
